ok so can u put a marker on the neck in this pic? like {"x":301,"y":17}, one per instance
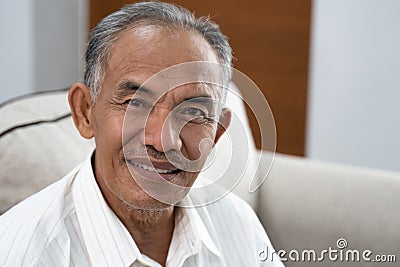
{"x":145,"y":224}
{"x":151,"y":230}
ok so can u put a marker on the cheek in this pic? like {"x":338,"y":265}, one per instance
{"x":133,"y":129}
{"x":108,"y":134}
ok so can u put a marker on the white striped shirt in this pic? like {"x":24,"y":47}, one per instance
{"x":70,"y":224}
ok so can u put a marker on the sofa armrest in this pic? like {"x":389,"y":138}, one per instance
{"x":307,"y":204}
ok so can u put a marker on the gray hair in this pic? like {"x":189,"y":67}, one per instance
{"x":148,"y":13}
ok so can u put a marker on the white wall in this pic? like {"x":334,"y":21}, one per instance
{"x":42,"y":46}
{"x":56,"y":43}
{"x":16,"y":51}
{"x":354,"y":101}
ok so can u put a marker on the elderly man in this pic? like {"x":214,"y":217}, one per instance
{"x":118,"y":208}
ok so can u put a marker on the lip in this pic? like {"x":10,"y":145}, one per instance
{"x":158,"y":164}
{"x":153,"y":170}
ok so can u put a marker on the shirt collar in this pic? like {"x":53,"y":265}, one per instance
{"x":200,"y":230}
{"x":190,"y":237}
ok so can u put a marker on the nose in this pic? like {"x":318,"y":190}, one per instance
{"x":161,"y":132}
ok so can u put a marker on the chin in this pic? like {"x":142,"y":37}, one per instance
{"x":144,"y":203}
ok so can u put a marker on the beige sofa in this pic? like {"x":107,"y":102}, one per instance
{"x":304,"y":204}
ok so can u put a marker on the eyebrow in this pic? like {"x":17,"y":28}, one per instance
{"x":206,"y":100}
{"x":127,"y":88}
{"x":200,"y":98}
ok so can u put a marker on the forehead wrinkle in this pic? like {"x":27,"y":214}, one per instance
{"x":135,"y":64}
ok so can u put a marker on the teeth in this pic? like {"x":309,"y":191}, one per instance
{"x":149,"y":168}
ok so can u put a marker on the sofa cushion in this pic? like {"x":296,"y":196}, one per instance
{"x":39,"y":144}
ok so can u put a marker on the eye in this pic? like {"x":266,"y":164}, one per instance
{"x":194,"y":115}
{"x":134,"y":102}
{"x":195,"y":112}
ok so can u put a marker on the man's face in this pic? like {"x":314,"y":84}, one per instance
{"x":138,"y":131}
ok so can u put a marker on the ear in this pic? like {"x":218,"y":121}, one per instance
{"x":223,"y":124}
{"x":80,"y":103}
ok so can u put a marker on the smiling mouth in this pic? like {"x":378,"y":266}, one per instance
{"x":153,"y":169}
